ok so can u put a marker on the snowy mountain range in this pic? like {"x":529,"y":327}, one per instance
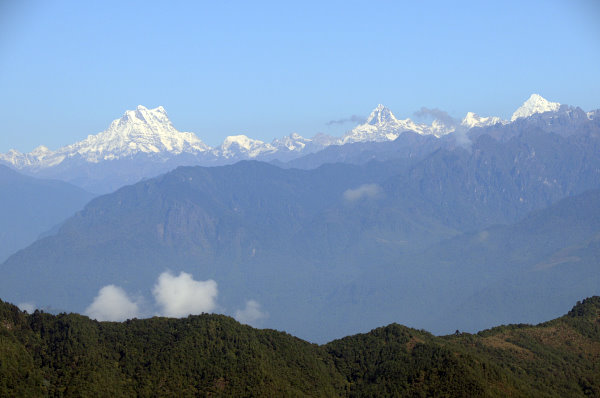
{"x":149,"y":134}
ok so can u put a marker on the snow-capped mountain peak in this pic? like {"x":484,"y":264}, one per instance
{"x":242,"y":141}
{"x":148,"y":119}
{"x":293,"y":142}
{"x":41,"y":150}
{"x":236,"y":145}
{"x":535,"y":104}
{"x":381,"y":116}
{"x":140,"y":130}
{"x":382,"y":125}
{"x":474,"y":120}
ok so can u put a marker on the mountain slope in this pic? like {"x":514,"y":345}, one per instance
{"x":213,"y":355}
{"x":233,"y":223}
{"x":332,"y":242}
{"x":31,"y":206}
{"x":523,"y":272}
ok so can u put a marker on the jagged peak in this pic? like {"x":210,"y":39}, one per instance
{"x":381,"y":115}
{"x":534,"y":104}
{"x":472,"y":119}
{"x":143,"y":114}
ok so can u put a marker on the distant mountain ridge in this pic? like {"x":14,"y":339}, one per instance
{"x":145,"y":140}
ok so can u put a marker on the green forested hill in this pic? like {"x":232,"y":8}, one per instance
{"x":213,"y":355}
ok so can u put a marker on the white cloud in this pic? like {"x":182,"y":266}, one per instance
{"x":112,"y":304}
{"x":179,"y":296}
{"x":251,"y":314}
{"x":29,"y":307}
{"x":364,"y":191}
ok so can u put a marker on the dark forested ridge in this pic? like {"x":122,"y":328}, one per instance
{"x":213,"y":355}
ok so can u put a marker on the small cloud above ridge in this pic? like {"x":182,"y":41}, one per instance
{"x":112,"y":304}
{"x":350,"y":119}
{"x":179,"y":296}
{"x":252,"y":314}
{"x":438,"y":114}
{"x":28,"y":307}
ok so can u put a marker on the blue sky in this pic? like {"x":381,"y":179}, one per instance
{"x":267,"y":69}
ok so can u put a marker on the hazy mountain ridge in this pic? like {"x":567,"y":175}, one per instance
{"x":214,"y":355}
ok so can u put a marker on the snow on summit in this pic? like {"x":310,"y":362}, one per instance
{"x":382,"y":125}
{"x":241,"y":145}
{"x":535,"y":104}
{"x":474,"y":120}
{"x":140,"y":130}
{"x":293,"y":142}
{"x":381,"y":116}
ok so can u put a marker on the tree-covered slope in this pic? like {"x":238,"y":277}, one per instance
{"x":71,"y":355}
{"x":212,"y":355}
